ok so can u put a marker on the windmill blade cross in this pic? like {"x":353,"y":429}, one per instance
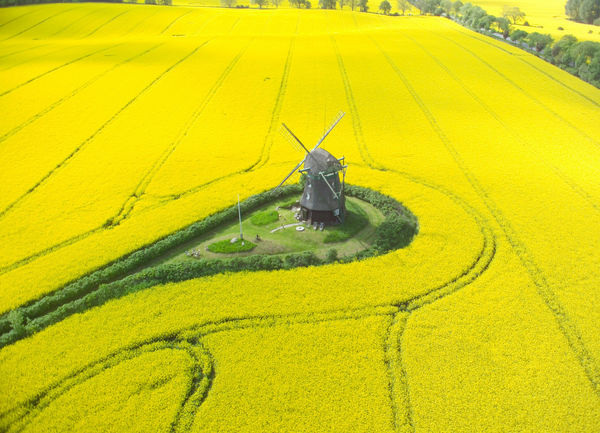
{"x":335,"y":122}
{"x":291,"y":137}
{"x":291,"y":172}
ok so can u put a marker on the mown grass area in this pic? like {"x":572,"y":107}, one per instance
{"x":265,"y":217}
{"x":265,"y":228}
{"x":228,"y":247}
{"x":356,"y":220}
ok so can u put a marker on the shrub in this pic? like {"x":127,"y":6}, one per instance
{"x":518,"y":35}
{"x":395,"y":232}
{"x":331,"y":256}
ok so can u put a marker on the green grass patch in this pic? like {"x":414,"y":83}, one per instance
{"x":226,"y":247}
{"x":356,"y":220}
{"x":287,"y":204}
{"x":265,"y":217}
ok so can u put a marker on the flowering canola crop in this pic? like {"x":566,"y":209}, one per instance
{"x":124,"y":123}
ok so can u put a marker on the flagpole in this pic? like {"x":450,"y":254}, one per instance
{"x":240,"y":217}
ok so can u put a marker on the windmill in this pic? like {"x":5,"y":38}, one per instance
{"x":323,"y":198}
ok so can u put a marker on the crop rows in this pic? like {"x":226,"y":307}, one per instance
{"x":490,"y":299}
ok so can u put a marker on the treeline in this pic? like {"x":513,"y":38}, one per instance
{"x":361,"y":5}
{"x":4,"y":3}
{"x":585,"y":11}
{"x":121,"y":277}
{"x":580,"y":58}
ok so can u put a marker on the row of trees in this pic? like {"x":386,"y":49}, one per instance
{"x":586,"y":11}
{"x":360,"y":5}
{"x":580,"y":58}
{"x":28,"y":2}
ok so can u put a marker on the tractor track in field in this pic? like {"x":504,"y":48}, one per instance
{"x":518,"y":138}
{"x":484,"y":40}
{"x":13,"y":65}
{"x":92,"y":12}
{"x":489,"y":244}
{"x":37,"y":58}
{"x":544,"y":289}
{"x":106,"y":23}
{"x":142,"y":21}
{"x":267,"y":144}
{"x":65,"y":161}
{"x":201,"y":372}
{"x":141,"y":187}
{"x":118,"y":217}
{"x":55,"y":247}
{"x":523,"y":91}
{"x":83,"y":144}
{"x":16,"y":18}
{"x":356,"y":124}
{"x":22,"y":51}
{"x":110,"y":222}
{"x":20,"y":415}
{"x":489,"y":238}
{"x":264,"y":153}
{"x":398,"y":388}
{"x":70,"y":62}
{"x":188,"y":339}
{"x":172,"y":23}
{"x":38,"y":23}
{"x":55,"y":104}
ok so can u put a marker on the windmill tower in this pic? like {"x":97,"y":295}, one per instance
{"x":323,"y":198}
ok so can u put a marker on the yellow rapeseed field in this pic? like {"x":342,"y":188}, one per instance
{"x":122,"y":123}
{"x":544,"y":16}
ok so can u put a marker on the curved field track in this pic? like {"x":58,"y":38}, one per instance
{"x":123,"y":123}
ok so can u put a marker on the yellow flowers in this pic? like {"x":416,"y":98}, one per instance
{"x":125,"y":123}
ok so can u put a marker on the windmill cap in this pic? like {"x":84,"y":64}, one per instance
{"x":319,"y":160}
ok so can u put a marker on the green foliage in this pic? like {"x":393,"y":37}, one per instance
{"x":17,"y":322}
{"x":385,"y":7}
{"x":518,"y":35}
{"x":403,"y":5}
{"x":331,"y":256}
{"x":538,"y":40}
{"x":327,"y":4}
{"x":587,"y":11}
{"x":504,"y":26}
{"x":395,"y":232}
{"x":513,"y":13}
{"x":265,"y":217}
{"x":363,"y":6}
{"x":300,"y":3}
{"x":289,"y":203}
{"x":228,"y":247}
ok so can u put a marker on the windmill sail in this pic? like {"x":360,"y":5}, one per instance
{"x":295,"y":141}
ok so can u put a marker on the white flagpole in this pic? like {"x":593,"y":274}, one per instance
{"x":240,"y":217}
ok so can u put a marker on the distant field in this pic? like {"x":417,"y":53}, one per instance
{"x":546,"y":16}
{"x":124,"y":123}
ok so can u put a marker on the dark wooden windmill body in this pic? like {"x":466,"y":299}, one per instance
{"x":323,"y":199}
